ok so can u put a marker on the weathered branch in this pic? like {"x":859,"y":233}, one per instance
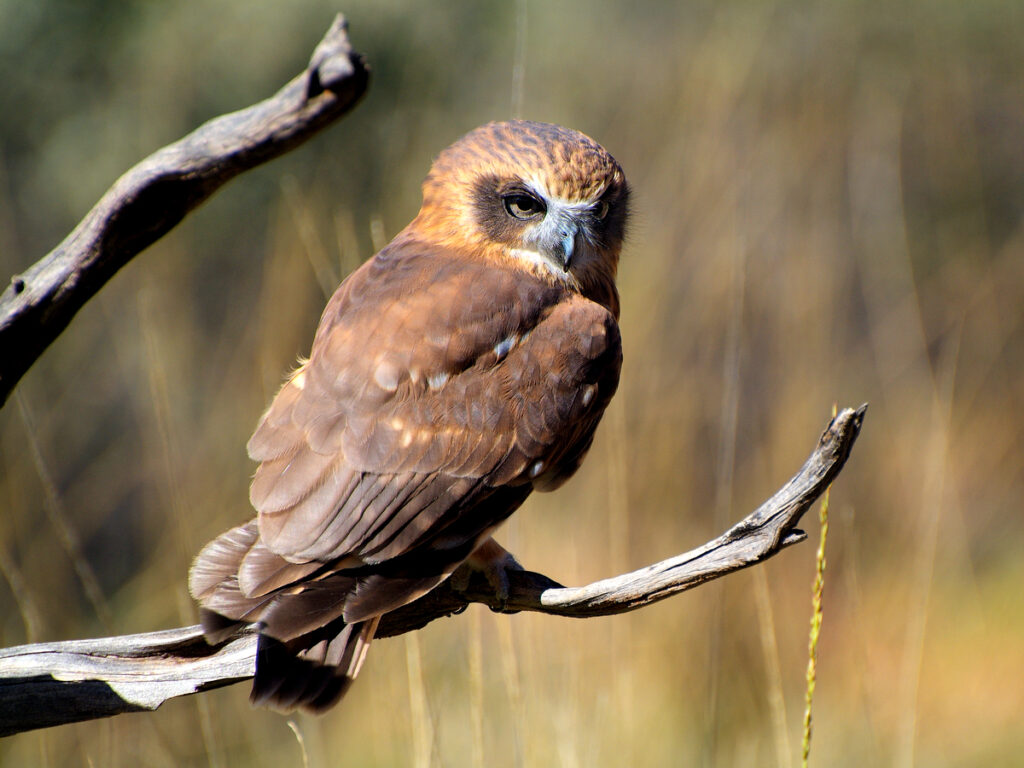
{"x":156,"y":194}
{"x":52,"y":683}
{"x":49,"y":684}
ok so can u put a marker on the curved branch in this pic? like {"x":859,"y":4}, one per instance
{"x":53,"y":683}
{"x":151,"y":198}
{"x":765,"y":532}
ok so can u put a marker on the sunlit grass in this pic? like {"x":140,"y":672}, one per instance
{"x":817,"y":616}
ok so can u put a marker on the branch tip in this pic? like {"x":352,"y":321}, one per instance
{"x":334,"y":66}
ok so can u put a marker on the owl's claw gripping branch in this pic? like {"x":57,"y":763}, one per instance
{"x":495,"y":564}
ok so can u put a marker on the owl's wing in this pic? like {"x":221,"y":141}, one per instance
{"x":432,"y":382}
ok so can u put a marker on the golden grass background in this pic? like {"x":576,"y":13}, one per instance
{"x":828,"y":208}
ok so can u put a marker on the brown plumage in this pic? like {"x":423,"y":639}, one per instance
{"x":465,"y":365}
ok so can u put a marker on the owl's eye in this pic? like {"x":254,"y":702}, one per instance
{"x":601,"y":210}
{"x":523,"y":206}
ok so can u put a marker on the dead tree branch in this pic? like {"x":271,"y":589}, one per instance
{"x":151,"y":198}
{"x":53,"y":683}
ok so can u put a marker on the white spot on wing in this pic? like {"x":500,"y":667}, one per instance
{"x":536,"y":469}
{"x":504,"y":346}
{"x":437,"y":380}
{"x":386,"y":375}
{"x":588,"y":393}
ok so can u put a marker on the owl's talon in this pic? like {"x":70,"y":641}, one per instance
{"x":493,"y":562}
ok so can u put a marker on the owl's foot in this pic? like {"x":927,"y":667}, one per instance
{"x":493,"y":562}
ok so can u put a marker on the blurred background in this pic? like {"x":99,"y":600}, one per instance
{"x":828,"y":209}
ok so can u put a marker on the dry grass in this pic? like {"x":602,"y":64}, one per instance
{"x":828,"y":208}
{"x":817,"y":616}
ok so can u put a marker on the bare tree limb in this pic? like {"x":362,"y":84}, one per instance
{"x":48,"y":684}
{"x":53,"y":683}
{"x":151,"y":198}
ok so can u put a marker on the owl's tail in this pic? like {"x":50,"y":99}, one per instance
{"x":307,"y":655}
{"x":314,"y":672}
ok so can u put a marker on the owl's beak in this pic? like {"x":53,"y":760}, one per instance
{"x":555,"y":237}
{"x":568,"y":244}
{"x":562,"y":249}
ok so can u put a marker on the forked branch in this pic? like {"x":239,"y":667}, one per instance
{"x":53,"y":683}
